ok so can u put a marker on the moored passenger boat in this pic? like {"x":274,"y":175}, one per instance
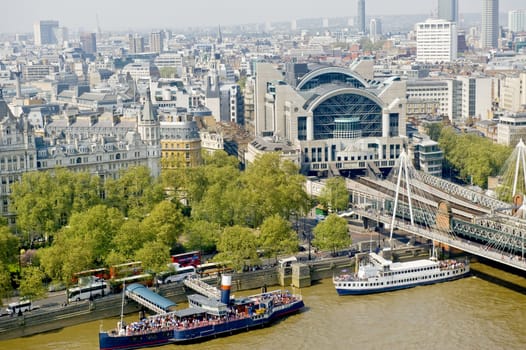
{"x":376,"y":274}
{"x":204,"y":318}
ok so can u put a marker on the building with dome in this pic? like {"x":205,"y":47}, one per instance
{"x":330,"y":120}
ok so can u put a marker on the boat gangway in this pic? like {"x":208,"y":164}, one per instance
{"x":202,"y":287}
{"x":149,"y":299}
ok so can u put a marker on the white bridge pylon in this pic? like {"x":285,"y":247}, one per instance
{"x":402,"y":172}
{"x":520,"y":161}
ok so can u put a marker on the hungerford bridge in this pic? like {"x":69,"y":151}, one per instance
{"x":447,"y":213}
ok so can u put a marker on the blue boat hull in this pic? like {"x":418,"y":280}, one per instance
{"x":201,"y":333}
{"x":107,"y":342}
{"x":345,"y":291}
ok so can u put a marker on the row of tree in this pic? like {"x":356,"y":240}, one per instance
{"x":470,"y":157}
{"x":215,"y":207}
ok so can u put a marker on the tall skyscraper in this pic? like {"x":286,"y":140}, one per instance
{"x":448,"y":10}
{"x":517,"y":20}
{"x":88,"y":42}
{"x":489,"y":32}
{"x":360,"y":20}
{"x":375,"y":29}
{"x":156,"y":41}
{"x":45,"y":32}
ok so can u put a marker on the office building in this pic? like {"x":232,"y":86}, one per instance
{"x":88,"y":43}
{"x":136,"y":44}
{"x":517,"y":21}
{"x":477,"y":97}
{"x":45,"y":33}
{"x":375,"y":29}
{"x":448,"y":10}
{"x":361,"y":16}
{"x":156,"y":42}
{"x":436,"y":41}
{"x":489,"y":31}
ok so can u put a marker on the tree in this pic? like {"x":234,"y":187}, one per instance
{"x":154,"y":256}
{"x":331,"y":234}
{"x":473,"y":157}
{"x":9,"y":245}
{"x":335,"y":195}
{"x":5,"y":283}
{"x":271,"y":186}
{"x":201,"y":235}
{"x":31,"y":199}
{"x":276,"y":237}
{"x":44,"y":201}
{"x":165,"y":223}
{"x":135,"y":192}
{"x":129,"y":238}
{"x":433,"y":130}
{"x":31,"y":286}
{"x":96,"y":228}
{"x":238,"y":246}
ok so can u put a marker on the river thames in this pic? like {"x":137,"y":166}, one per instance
{"x":471,"y":313}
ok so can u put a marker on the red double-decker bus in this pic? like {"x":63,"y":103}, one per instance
{"x":187,"y":259}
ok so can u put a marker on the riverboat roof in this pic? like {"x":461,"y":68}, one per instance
{"x":194,"y":310}
{"x":413,"y":264}
{"x":202,"y":300}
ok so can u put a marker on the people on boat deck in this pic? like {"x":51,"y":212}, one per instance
{"x":168,"y":322}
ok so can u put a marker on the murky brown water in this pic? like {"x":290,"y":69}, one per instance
{"x":472,"y":313}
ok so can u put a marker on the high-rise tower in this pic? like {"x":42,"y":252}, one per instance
{"x":361,"y":16}
{"x":156,"y":41}
{"x":88,"y":42}
{"x":489,"y":32}
{"x":45,"y":32}
{"x":448,"y":10}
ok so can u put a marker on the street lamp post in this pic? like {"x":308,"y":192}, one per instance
{"x":308,"y":238}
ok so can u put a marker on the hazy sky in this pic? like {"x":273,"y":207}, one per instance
{"x":19,"y":15}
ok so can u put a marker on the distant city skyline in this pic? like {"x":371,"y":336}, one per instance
{"x":134,"y":14}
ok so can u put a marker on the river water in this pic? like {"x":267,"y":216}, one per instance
{"x":471,"y":313}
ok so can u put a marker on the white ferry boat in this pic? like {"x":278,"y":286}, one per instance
{"x":376,"y":274}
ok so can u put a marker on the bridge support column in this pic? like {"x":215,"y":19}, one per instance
{"x":444,"y":216}
{"x":443,"y":221}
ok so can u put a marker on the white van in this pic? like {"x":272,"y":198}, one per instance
{"x":19,"y":307}
{"x":286,"y":262}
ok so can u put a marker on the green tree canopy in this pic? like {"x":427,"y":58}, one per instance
{"x":135,"y":192}
{"x":335,"y":195}
{"x":201,"y":235}
{"x":44,"y":201}
{"x":475,"y":158}
{"x":165,"y":222}
{"x":9,"y":246}
{"x":277,"y":237}
{"x":31,"y":286}
{"x":237,"y":245}
{"x":271,"y":186}
{"x":5,"y":283}
{"x":331,"y":234}
{"x":129,"y":238}
{"x":154,"y":256}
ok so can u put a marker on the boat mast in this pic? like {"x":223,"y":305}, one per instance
{"x":122,"y":303}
